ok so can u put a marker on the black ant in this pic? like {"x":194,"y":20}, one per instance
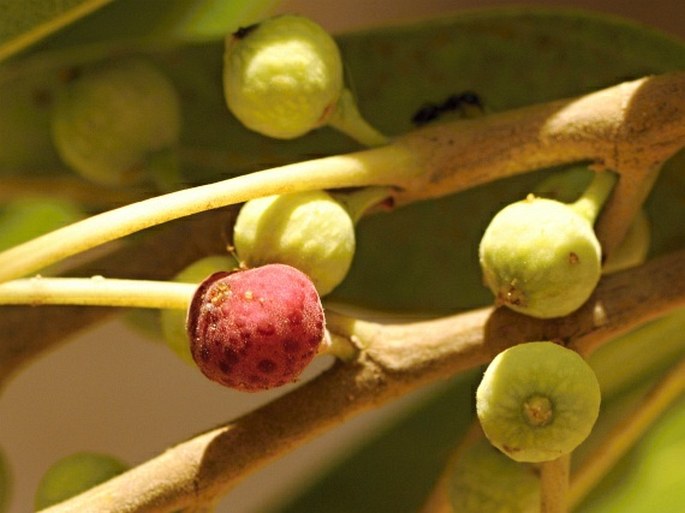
{"x":432,"y":111}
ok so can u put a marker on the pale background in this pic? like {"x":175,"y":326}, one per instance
{"x":110,"y":390}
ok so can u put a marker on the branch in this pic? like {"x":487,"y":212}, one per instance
{"x":393,"y":359}
{"x":632,"y":128}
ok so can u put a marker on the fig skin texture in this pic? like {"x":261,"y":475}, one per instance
{"x":310,"y":231}
{"x":255,"y":329}
{"x":173,"y":321}
{"x":540,"y":258}
{"x":282,"y":77}
{"x":537,"y":401}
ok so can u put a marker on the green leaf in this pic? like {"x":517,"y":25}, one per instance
{"x":421,"y":256}
{"x":25,"y":218}
{"x":425,"y":255}
{"x":24,"y":22}
{"x":651,"y":475}
{"x":213,"y":19}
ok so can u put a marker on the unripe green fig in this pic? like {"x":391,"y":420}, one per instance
{"x":75,"y":474}
{"x":116,"y":120}
{"x":173,"y":321}
{"x":483,"y":480}
{"x":310,"y":231}
{"x":537,"y":401}
{"x":541,"y":257}
{"x":282,"y":76}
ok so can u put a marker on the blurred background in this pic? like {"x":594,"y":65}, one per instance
{"x":98,"y":392}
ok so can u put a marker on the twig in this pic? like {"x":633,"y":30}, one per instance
{"x":627,"y":432}
{"x":393,"y":359}
{"x":27,"y":37}
{"x":632,"y":128}
{"x":374,"y":167}
{"x":554,"y":481}
{"x":96,"y":291}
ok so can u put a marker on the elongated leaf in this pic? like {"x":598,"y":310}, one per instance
{"x":422,"y":256}
{"x":425,"y":255}
{"x":213,"y":19}
{"x":651,"y":475}
{"x":510,"y":57}
{"x":27,"y":21}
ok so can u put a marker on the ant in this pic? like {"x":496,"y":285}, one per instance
{"x":432,"y":111}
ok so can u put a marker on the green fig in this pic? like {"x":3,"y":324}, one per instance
{"x":116,"y":120}
{"x":283,"y":77}
{"x":310,"y":231}
{"x":537,"y":401}
{"x":541,"y":257}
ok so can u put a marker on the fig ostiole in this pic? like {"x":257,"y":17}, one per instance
{"x":541,"y":257}
{"x":538,"y":401}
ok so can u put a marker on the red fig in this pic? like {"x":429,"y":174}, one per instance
{"x":255,"y":329}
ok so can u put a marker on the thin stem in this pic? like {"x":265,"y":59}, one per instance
{"x":627,"y":432}
{"x":381,"y":166}
{"x":347,"y":118}
{"x":554,"y":485}
{"x":593,"y":198}
{"x":100,"y":291}
{"x":97,"y":291}
{"x":42,"y":30}
{"x":357,"y":203}
{"x":338,"y":346}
